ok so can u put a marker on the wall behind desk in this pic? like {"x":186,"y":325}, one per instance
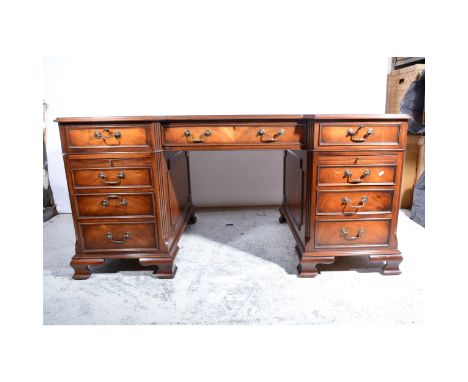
{"x":210,"y":83}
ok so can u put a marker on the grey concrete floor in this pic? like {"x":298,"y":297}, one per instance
{"x":244,"y":273}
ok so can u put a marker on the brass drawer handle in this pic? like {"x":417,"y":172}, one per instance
{"x":352,"y":133}
{"x":125,"y":237}
{"x":266,"y":139}
{"x":344,"y":234}
{"x":202,"y":138}
{"x":348,"y":174}
{"x":116,"y":134}
{"x":105,"y":202}
{"x":120,"y":176}
{"x":347,"y":202}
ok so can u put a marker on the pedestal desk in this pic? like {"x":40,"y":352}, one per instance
{"x":129,"y":183}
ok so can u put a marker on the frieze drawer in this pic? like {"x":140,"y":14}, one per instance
{"x":118,"y":137}
{"x":358,"y":134}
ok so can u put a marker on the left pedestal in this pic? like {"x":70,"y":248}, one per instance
{"x":129,"y":198}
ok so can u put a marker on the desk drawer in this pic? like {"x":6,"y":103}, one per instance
{"x":118,"y":236}
{"x":355,"y":170}
{"x":270,"y":134}
{"x":190,"y":135}
{"x":114,"y":205}
{"x":112,"y":178}
{"x":354,"y":202}
{"x":352,"y":233}
{"x":111,"y":170}
{"x":356,"y":175}
{"x":359,"y":134}
{"x":118,"y":137}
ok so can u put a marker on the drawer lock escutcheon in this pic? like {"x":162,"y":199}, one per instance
{"x":202,"y":138}
{"x":352,"y":134}
{"x":344,"y":234}
{"x":264,"y":138}
{"x":126,"y":236}
{"x":348,"y":174}
{"x":120,"y":176}
{"x":106,"y":203}
{"x":110,"y":134}
{"x":347,"y":202}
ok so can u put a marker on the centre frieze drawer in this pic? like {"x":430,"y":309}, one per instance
{"x":254,"y":134}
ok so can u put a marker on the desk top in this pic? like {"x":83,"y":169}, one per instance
{"x":255,"y":117}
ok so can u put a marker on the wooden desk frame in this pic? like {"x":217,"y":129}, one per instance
{"x":129,"y":183}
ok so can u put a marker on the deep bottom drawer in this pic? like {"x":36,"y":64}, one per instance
{"x":352,"y":233}
{"x":116,"y":236}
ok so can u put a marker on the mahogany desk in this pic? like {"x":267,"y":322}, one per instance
{"x":129,"y":183}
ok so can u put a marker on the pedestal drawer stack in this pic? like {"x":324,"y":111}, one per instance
{"x":356,"y":178}
{"x":111,"y":181}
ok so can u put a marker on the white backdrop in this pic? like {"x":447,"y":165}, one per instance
{"x":159,"y":85}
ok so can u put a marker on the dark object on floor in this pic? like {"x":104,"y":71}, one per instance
{"x":192,"y":219}
{"x":413,"y":104}
{"x":418,"y":210}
